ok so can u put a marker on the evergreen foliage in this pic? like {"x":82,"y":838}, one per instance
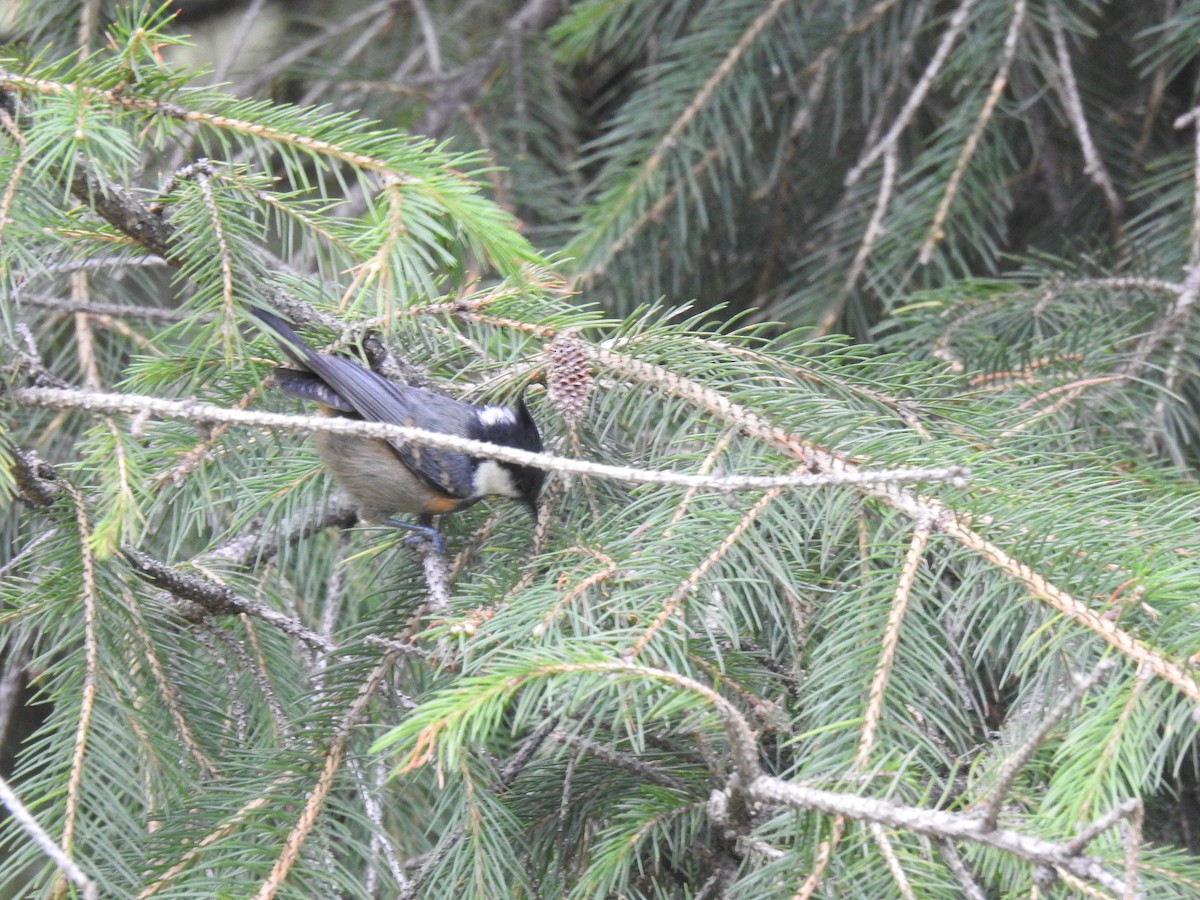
{"x":898,"y":682}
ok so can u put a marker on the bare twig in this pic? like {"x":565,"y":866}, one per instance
{"x":1182,"y":122}
{"x":995,"y":798}
{"x":1133,"y":847}
{"x":13,"y":663}
{"x":935,"y":823}
{"x":217,"y":599}
{"x":429,"y":35}
{"x":365,"y":39}
{"x":255,"y":545}
{"x":1069,"y":91}
{"x":24,"y":360}
{"x":192,"y":411}
{"x":534,"y":15}
{"x":437,"y":577}
{"x":949,"y":853}
{"x":234,"y":47}
{"x":37,"y":482}
{"x":380,"y":839}
{"x":305,"y":49}
{"x":953,"y":29}
{"x":462,"y":12}
{"x":96,"y":308}
{"x":117,"y":261}
{"x":89,"y":23}
{"x":28,"y":824}
{"x":627,"y":761}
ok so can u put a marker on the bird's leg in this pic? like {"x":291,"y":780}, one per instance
{"x":424,"y":528}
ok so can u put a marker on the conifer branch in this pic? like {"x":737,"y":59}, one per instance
{"x":1060,"y":600}
{"x":915,"y":506}
{"x":171,"y":700}
{"x":872,"y":233}
{"x":667,"y":144}
{"x":335,"y":756}
{"x":955,"y":864}
{"x":10,"y":126}
{"x":903,"y":888}
{"x":703,"y":152}
{"x":508,"y":773}
{"x":228,"y":827}
{"x":171,"y":110}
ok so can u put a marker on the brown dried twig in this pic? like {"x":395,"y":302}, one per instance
{"x":891,"y":638}
{"x":91,"y":656}
{"x":935,"y":233}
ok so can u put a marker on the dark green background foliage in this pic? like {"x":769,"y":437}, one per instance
{"x":763,"y":237}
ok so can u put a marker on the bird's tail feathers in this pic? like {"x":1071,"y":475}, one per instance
{"x":293,"y":346}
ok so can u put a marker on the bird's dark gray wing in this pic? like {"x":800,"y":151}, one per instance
{"x":350,"y":388}
{"x":376,"y":399}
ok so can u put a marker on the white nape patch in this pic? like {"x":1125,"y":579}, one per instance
{"x":497,"y":415}
{"x":493,"y":478}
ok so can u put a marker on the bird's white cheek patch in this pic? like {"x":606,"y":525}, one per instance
{"x":493,"y":478}
{"x":497,"y":415}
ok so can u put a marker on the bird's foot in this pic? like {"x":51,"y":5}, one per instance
{"x":426,"y":532}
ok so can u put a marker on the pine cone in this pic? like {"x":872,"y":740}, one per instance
{"x":568,"y":378}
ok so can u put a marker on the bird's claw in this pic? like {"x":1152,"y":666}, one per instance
{"x":420,"y":532}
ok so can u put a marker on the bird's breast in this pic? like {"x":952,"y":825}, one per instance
{"x":369,"y":470}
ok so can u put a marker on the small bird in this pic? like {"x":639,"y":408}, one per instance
{"x":386,"y":477}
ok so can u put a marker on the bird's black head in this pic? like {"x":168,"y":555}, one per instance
{"x":529,"y":481}
{"x":514,"y":427}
